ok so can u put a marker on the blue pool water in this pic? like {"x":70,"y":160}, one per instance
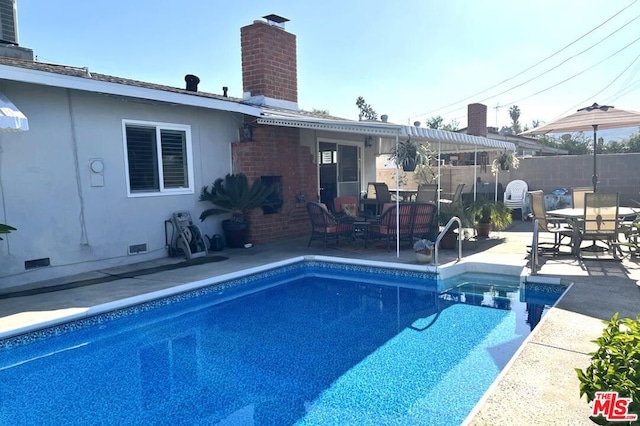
{"x":308,"y":344}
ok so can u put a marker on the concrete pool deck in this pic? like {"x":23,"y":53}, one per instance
{"x":539,"y":386}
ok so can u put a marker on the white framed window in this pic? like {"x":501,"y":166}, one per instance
{"x":158,"y":158}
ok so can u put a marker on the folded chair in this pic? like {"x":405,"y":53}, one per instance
{"x":325,"y":226}
{"x":600,"y":221}
{"x":557,"y":227}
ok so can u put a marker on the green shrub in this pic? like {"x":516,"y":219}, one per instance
{"x":615,"y":366}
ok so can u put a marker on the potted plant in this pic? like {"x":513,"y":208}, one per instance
{"x":234,"y":195}
{"x":408,"y":154}
{"x":505,"y":161}
{"x":424,"y":250}
{"x":488,"y":214}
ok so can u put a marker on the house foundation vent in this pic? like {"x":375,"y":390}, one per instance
{"x":37,"y":263}
{"x":138,"y":248}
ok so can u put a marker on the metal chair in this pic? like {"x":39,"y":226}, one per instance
{"x":600,"y":222}
{"x":577,"y":196}
{"x":456,"y":196}
{"x":557,"y":227}
{"x":427,"y":192}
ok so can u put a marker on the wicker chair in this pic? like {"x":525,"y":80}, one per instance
{"x":408,"y":221}
{"x":324,"y":225}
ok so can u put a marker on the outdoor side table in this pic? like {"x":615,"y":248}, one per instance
{"x":361,"y":231}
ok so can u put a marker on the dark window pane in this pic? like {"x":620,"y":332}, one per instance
{"x":174,"y":159}
{"x":142,"y":157}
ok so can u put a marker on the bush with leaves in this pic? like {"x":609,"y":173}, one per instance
{"x":615,"y":366}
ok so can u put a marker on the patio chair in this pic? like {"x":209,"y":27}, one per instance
{"x":456,"y":197}
{"x":600,"y":221}
{"x":559,"y":228}
{"x":424,"y":224}
{"x":386,"y":227}
{"x":427,"y":192}
{"x":577,"y":196}
{"x":514,"y":195}
{"x":325,"y":226}
{"x":377,"y":194}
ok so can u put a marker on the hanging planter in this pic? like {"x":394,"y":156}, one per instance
{"x":409,"y":165}
{"x":408,"y":154}
{"x":505,"y":161}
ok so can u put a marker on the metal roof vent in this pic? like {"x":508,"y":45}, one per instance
{"x":192,"y":82}
{"x":276,"y":21}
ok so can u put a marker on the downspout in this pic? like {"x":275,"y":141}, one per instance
{"x":4,"y":204}
{"x":439,"y":188}
{"x":74,"y":139}
{"x":475,"y":171}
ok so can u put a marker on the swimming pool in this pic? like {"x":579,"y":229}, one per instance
{"x":307,"y":343}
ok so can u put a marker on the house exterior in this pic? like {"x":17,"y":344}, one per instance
{"x":107,"y":160}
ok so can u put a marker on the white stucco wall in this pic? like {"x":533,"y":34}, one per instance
{"x":40,"y":195}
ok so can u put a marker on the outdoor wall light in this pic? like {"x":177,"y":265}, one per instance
{"x":368,"y":141}
{"x":247,"y":133}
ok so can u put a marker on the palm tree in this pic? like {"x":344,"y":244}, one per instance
{"x":514,"y":113}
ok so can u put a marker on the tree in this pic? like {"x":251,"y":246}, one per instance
{"x":514,"y":113}
{"x":323,"y":112}
{"x":438,"y":123}
{"x":634,"y":143}
{"x":366,"y":110}
{"x":576,"y":145}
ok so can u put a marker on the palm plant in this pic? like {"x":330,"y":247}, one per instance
{"x":233,"y":195}
{"x":5,"y":229}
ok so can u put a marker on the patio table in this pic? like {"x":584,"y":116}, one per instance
{"x":574,"y":215}
{"x":405,"y":194}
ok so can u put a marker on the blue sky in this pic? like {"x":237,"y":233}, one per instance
{"x":408,"y":59}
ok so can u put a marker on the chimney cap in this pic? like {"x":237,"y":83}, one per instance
{"x":275,"y":20}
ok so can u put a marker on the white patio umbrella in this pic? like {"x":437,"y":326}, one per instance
{"x":592,"y":117}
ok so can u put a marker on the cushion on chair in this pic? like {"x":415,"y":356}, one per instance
{"x":350,"y":209}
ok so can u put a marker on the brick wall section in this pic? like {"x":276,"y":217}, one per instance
{"x":269,"y":62}
{"x":276,"y":151}
{"x":477,"y":120}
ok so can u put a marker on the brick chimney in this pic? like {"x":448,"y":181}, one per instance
{"x":269,"y":61}
{"x":477,"y":120}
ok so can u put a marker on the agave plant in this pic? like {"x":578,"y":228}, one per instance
{"x":5,"y":229}
{"x":233,"y":195}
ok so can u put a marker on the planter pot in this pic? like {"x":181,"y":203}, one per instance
{"x":483,"y":229}
{"x":424,"y":256}
{"x":236,"y":234}
{"x":409,"y":165}
{"x":448,"y":241}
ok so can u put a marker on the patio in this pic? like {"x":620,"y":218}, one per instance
{"x":539,"y":386}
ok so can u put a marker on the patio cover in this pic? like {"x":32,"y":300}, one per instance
{"x":11,"y":118}
{"x":447,"y":142}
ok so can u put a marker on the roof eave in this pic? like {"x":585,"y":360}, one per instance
{"x":44,"y":78}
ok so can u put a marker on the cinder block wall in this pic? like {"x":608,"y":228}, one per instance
{"x":616,"y":173}
{"x":276,"y":151}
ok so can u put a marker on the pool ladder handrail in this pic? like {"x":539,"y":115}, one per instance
{"x":534,"y":249}
{"x":444,"y":231}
